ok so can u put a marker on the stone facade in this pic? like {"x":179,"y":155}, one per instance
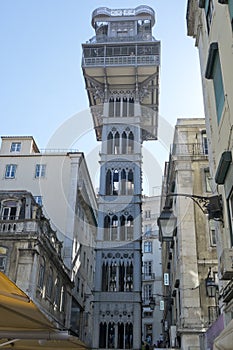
{"x":30,"y":255}
{"x":191,"y":255}
{"x":210,"y":24}
{"x":60,"y":183}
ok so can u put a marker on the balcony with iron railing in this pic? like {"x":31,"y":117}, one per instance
{"x":189,"y":149}
{"x":144,"y":53}
{"x":122,"y":61}
{"x":15,"y":225}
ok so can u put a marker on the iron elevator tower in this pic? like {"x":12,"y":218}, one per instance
{"x":121,"y":71}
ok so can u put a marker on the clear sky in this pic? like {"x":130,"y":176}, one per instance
{"x":41,"y":78}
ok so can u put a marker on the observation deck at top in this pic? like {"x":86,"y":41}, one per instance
{"x":123,"y":55}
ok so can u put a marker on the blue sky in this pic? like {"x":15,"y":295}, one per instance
{"x":40,"y":67}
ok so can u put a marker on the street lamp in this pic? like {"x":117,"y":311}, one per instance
{"x":167,"y":224}
{"x":211,"y":286}
{"x":211,"y":205}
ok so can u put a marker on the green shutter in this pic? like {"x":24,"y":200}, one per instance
{"x":206,"y":5}
{"x":230,"y":4}
{"x":218,"y":86}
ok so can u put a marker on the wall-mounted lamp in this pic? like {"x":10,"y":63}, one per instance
{"x":211,"y":286}
{"x":167,"y":224}
{"x":167,"y":221}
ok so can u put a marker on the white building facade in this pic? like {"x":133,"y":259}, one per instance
{"x":189,"y":257}
{"x":210,"y":24}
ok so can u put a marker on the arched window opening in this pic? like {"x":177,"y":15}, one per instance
{"x":113,"y":278}
{"x":9,"y":210}
{"x":118,"y":107}
{"x":126,"y":228}
{"x":105,"y":277}
{"x":107,"y":228}
{"x":120,"y":343}
{"x":108,"y":187}
{"x":130,"y":183}
{"x":129,"y":228}
{"x":124,"y":142}
{"x":128,"y":336}
{"x":130,"y":149}
{"x":102,"y":335}
{"x":114,"y":228}
{"x":122,"y":228}
{"x":115,"y":183}
{"x":129,"y":278}
{"x":131,"y":107}
{"x":110,"y":143}
{"x":111,"y":335}
{"x":111,"y":107}
{"x":117,"y":277}
{"x":123,"y":182}
{"x":125,"y":107}
{"x":122,"y":278}
{"x":117,"y":143}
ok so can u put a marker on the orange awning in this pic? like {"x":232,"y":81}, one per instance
{"x":23,"y":325}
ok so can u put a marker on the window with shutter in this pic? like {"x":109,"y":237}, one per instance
{"x":218,"y":86}
{"x":214,"y":72}
{"x":230,"y":4}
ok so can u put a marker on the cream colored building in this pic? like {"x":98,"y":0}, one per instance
{"x":210,"y":24}
{"x":190,"y":255}
{"x":152,"y":292}
{"x":60,"y":183}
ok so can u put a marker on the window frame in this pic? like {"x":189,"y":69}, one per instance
{"x":207,"y":180}
{"x":40,"y":171}
{"x":214,"y":72}
{"x":212,"y":232}
{"x":3,"y":256}
{"x":148,"y":267}
{"x":209,"y":9}
{"x":38,"y":200}
{"x":15,"y":147}
{"x":10,"y":171}
{"x":147,"y":247}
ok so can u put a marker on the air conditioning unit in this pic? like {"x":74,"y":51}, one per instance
{"x":226,"y":264}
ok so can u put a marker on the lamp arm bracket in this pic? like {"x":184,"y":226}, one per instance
{"x":211,"y":205}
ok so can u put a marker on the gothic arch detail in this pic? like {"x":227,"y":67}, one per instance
{"x":119,"y":181}
{"x":120,"y":143}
